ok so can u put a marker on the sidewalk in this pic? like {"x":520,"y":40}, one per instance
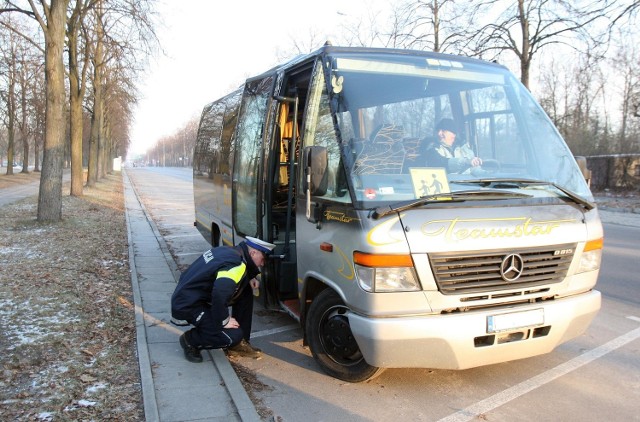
{"x":173,"y":388}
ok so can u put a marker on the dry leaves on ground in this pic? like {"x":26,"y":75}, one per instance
{"x":68,"y":323}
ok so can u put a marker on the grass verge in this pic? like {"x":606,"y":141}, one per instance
{"x":68,"y":323}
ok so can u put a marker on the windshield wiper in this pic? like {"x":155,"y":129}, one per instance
{"x":526,"y":183}
{"x":466,"y":195}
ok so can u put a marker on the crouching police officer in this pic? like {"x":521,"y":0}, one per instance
{"x":213,"y":282}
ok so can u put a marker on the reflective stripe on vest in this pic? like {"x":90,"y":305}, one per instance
{"x":235,"y":273}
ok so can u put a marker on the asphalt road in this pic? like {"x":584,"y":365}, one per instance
{"x":594,"y":377}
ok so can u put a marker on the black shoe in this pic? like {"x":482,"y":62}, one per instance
{"x":244,"y":348}
{"x":191,"y":353}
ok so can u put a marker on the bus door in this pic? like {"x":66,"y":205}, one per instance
{"x":283,"y":173}
{"x":247,"y":167}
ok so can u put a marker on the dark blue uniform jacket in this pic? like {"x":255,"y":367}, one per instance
{"x":213,"y":280}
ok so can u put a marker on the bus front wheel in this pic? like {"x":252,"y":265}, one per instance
{"x":331,"y":340}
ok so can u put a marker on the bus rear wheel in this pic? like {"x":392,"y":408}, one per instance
{"x":331,"y":340}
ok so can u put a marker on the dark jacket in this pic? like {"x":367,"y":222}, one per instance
{"x":213,"y":280}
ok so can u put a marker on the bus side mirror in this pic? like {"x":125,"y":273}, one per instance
{"x":586,"y":173}
{"x":316,"y":176}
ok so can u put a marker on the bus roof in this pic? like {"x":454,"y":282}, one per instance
{"x":328,"y":49}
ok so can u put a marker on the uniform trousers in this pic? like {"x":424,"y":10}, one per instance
{"x":207,"y":334}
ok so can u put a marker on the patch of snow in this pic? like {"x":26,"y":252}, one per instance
{"x":96,"y":387}
{"x":27,"y":253}
{"x":79,"y":404}
{"x":33,"y":326}
{"x":45,"y":416}
{"x":86,"y":403}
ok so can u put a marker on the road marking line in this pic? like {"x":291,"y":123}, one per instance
{"x":505,"y":396}
{"x":265,"y":333}
{"x":634,"y":318}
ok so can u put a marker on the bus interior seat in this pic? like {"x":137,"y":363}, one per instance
{"x":413,"y":148}
{"x":384,"y":154}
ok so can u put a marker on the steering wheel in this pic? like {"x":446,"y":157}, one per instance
{"x":490,"y":165}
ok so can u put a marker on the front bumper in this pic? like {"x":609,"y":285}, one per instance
{"x":460,"y":341}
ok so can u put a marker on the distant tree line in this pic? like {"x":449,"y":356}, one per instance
{"x":174,"y":150}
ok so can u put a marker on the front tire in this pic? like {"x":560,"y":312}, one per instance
{"x":331,"y":340}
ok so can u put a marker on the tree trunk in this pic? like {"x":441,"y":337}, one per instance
{"x":96,"y":118}
{"x":50,"y":195}
{"x":94,"y":136}
{"x":75,"y":101}
{"x":102,"y":140}
{"x":77,"y":177}
{"x":36,"y":154}
{"x":525,"y":59}
{"x":24,"y":132}
{"x":11,"y":126}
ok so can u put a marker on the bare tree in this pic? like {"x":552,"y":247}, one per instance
{"x":572,"y":94}
{"x":78,"y":66}
{"x":97,"y":61}
{"x":51,"y":17}
{"x":38,"y":107}
{"x":120,"y":96}
{"x":103,"y":34}
{"x":124,"y":35}
{"x":627,"y":65}
{"x":526,"y":27}
{"x":30,"y":67}
{"x":20,"y":68}
{"x":130,"y":31}
{"x":623,"y":12}
{"x":9,"y":52}
{"x":435,"y":25}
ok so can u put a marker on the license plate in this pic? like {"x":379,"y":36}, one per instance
{"x":513,"y":320}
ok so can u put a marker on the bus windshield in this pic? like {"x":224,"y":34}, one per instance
{"x":393,"y":112}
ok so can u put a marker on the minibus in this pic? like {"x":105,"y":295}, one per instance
{"x":387,"y":258}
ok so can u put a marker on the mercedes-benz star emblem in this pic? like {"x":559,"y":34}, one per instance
{"x":512,"y":267}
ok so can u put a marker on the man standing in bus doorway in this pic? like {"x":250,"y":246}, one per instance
{"x":219,"y":278}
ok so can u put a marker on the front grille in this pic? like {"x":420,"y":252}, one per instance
{"x":479,"y":272}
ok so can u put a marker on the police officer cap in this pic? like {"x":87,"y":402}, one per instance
{"x":447,"y":124}
{"x":260,"y":245}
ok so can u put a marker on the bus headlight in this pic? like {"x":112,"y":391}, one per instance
{"x":591,"y":256}
{"x":385,"y":273}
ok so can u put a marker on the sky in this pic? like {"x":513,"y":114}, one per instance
{"x":211,"y":47}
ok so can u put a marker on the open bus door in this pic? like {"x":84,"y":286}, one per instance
{"x":280,"y":193}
